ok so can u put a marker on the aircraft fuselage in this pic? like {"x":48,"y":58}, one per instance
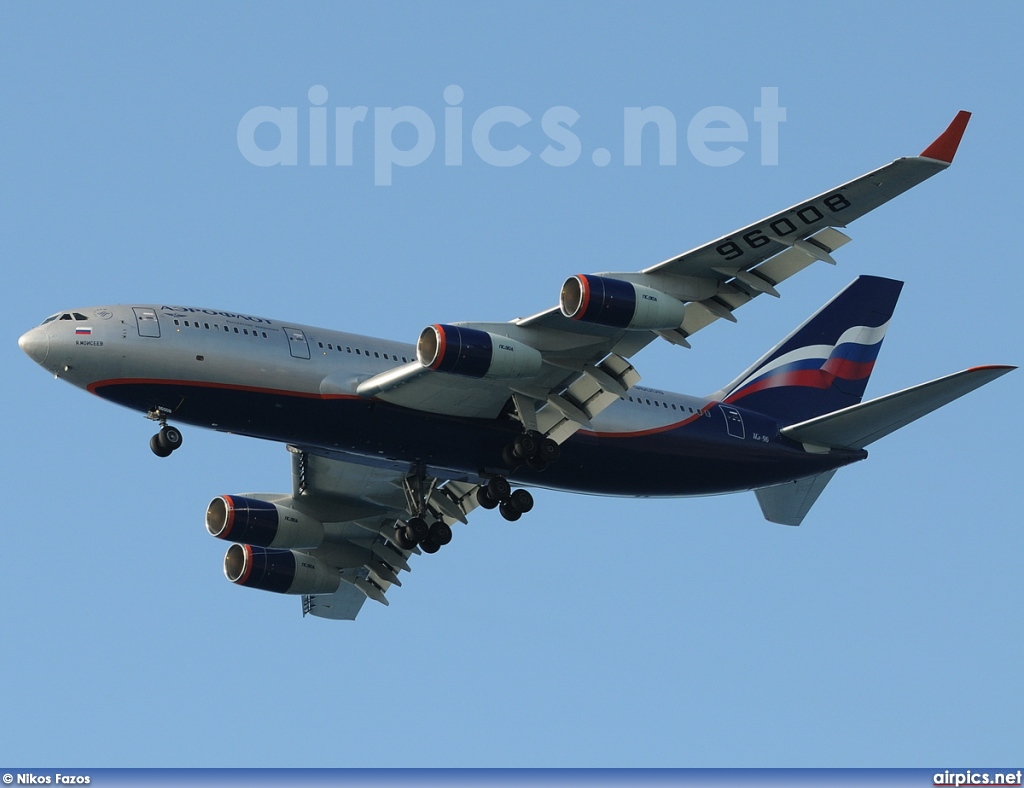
{"x":296,"y":384}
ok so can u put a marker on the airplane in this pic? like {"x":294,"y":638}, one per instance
{"x":392,"y":444}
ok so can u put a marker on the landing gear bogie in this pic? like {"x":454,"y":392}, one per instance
{"x":533,"y":449}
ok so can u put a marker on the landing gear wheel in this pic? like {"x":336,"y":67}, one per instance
{"x":509,"y":512}
{"x":158,"y":448}
{"x":429,"y":546}
{"x":549,"y":450}
{"x":416,"y":530}
{"x":522,"y":501}
{"x":508,"y":457}
{"x":402,"y":540}
{"x":484,"y":498}
{"x":526,"y":445}
{"x":440,"y":533}
{"x":499,"y":489}
{"x":169,"y":438}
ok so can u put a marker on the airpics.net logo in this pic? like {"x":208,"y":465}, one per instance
{"x":715,"y":136}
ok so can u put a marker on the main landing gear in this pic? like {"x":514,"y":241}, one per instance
{"x":430,"y":538}
{"x":168,"y":439}
{"x":533,"y":449}
{"x":511,"y":504}
{"x":416,"y":531}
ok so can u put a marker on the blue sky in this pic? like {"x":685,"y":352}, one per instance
{"x":595,"y":632}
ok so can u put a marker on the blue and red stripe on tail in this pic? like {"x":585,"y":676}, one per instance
{"x":825,"y":364}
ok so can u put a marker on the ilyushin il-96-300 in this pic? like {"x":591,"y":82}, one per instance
{"x":392,"y":444}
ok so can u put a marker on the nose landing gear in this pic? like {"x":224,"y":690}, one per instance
{"x":168,"y":439}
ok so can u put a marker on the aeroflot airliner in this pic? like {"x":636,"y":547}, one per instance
{"x":391,"y":444}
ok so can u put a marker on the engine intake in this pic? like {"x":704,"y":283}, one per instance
{"x":280,"y":571}
{"x":473,"y":353}
{"x":619,"y":304}
{"x":261,"y":523}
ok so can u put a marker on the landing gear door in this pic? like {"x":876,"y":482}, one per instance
{"x":733,"y":421}
{"x":146,"y":320}
{"x":297,"y":344}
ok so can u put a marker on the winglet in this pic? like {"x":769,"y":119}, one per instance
{"x":944,"y":148}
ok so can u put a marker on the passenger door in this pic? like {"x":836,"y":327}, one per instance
{"x":297,"y":344}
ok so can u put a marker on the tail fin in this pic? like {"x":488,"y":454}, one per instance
{"x":825,"y":364}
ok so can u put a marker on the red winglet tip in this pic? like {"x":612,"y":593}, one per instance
{"x":944,"y":148}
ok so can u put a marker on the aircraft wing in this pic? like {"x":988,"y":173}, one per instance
{"x":578,"y":351}
{"x":359,"y":505}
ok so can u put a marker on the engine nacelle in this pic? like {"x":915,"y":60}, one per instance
{"x":280,"y":571}
{"x":261,"y":523}
{"x":475,"y":354}
{"x":619,"y":304}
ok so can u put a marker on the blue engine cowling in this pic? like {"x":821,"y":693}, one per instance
{"x":472,"y":353}
{"x":618,"y":304}
{"x":262,"y":523}
{"x":280,"y":571}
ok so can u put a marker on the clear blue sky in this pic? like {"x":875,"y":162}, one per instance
{"x":885,"y":631}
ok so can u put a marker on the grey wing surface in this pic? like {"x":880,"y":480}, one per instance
{"x":584,"y":365}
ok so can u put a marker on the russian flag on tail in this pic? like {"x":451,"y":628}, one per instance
{"x":825,"y":364}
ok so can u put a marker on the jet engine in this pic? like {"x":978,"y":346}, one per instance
{"x":280,"y":571}
{"x":261,"y":523}
{"x":473,"y":353}
{"x":619,"y":304}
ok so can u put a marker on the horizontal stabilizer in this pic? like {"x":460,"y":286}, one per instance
{"x":789,"y":503}
{"x":859,"y":425}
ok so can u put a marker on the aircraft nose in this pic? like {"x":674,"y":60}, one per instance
{"x":36,"y":344}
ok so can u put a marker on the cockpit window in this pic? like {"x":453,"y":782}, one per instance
{"x":65,"y":316}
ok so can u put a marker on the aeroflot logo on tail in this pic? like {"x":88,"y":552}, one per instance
{"x":274,"y":136}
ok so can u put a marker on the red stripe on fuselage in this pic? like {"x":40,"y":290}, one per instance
{"x":653,"y":430}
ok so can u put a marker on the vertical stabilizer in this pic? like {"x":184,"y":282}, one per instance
{"x":825,"y":364}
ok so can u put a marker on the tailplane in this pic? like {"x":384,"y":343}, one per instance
{"x":860,"y":425}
